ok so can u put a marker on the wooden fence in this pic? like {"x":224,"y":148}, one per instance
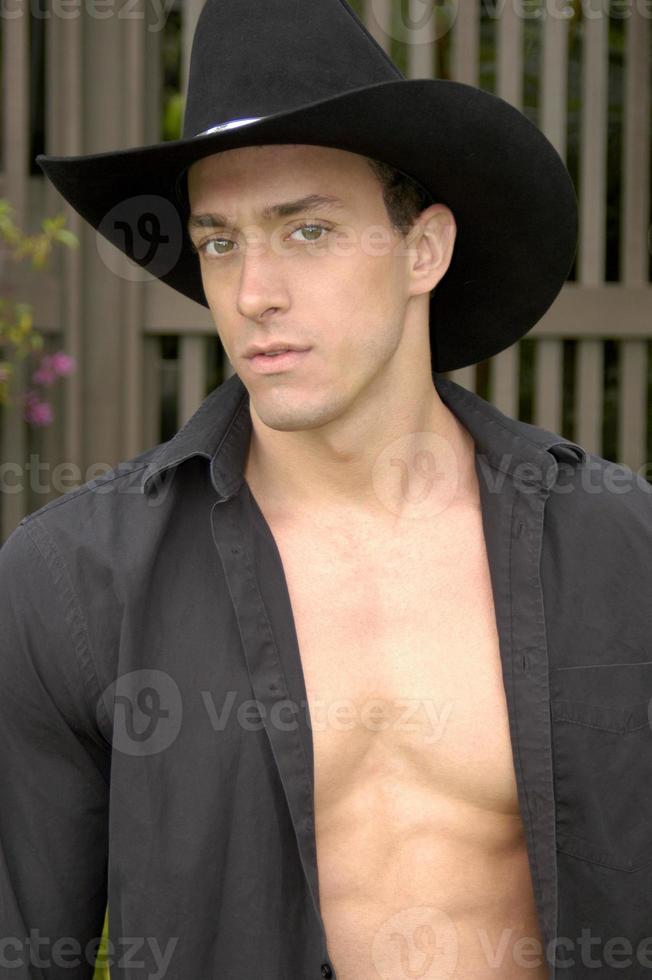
{"x":147,"y":356}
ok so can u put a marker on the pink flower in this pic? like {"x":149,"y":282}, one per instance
{"x":53,"y":366}
{"x":62,"y":363}
{"x":44,"y":374}
{"x":37,"y":412}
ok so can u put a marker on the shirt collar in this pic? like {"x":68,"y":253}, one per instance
{"x":220,"y":430}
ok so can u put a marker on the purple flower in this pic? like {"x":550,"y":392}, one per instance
{"x":62,"y":363}
{"x":53,"y":366}
{"x":37,"y":412}
{"x":44,"y":374}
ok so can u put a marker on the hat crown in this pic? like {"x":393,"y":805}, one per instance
{"x":251,"y":59}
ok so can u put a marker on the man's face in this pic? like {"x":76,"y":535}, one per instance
{"x":329,"y":278}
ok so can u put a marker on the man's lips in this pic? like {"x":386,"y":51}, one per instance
{"x":271,"y":364}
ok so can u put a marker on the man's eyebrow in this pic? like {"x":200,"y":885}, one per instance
{"x":285,"y":209}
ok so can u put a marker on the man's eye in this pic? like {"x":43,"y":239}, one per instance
{"x":221,"y":243}
{"x":212,"y":241}
{"x":311,"y":228}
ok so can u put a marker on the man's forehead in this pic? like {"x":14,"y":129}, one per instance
{"x":279,"y":209}
{"x":223,"y":187}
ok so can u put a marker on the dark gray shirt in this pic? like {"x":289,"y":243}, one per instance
{"x":155,"y":741}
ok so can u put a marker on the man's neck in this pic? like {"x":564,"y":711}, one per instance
{"x":422,"y":463}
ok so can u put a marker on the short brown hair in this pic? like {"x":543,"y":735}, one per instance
{"x":404,"y":198}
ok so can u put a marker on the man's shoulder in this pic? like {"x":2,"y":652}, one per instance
{"x":600,"y":486}
{"x":113,"y":486}
{"x":593,"y":496}
{"x":586,"y":483}
{"x":99,"y":517}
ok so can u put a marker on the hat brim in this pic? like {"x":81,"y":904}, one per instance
{"x":512,"y":197}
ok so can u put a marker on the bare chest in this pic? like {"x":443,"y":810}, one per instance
{"x":418,"y":826}
{"x":400,"y":656}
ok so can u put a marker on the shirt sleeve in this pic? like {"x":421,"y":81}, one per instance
{"x":54,"y":770}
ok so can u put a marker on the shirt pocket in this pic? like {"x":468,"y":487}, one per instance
{"x":602,"y":759}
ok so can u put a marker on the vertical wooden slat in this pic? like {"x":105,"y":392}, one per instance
{"x":589,"y":393}
{"x":190,"y":12}
{"x":192,"y":349}
{"x":632,"y":389}
{"x":151,"y":345}
{"x":465,"y":376}
{"x":549,"y":353}
{"x":504,"y":380}
{"x":554,"y":86}
{"x":104,"y":291}
{"x":135,"y":134}
{"x":593,"y":148}
{"x":64,"y":137}
{"x":193,"y":378}
{"x":50,"y":442}
{"x":504,"y":367}
{"x":466,"y":44}
{"x":509,"y":56}
{"x":632,"y":403}
{"x":635,"y":229}
{"x":465,"y":68}
{"x":590,"y":353}
{"x":421,"y":50}
{"x":548,"y":391}
{"x":151,"y":390}
{"x":15,"y":80}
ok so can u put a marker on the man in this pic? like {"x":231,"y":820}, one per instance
{"x":380,"y":582}
{"x":350,"y":678}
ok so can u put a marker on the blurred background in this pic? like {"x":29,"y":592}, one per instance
{"x":98,"y":360}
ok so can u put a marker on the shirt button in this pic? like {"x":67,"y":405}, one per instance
{"x":326,"y":970}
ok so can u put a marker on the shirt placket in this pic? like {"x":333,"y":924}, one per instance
{"x":513,"y":518}
{"x":275,"y":685}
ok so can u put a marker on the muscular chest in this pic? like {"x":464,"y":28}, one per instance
{"x":401,"y":664}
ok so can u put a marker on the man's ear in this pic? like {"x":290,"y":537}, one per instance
{"x":430,"y":247}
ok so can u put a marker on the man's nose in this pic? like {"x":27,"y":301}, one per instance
{"x":262,"y":283}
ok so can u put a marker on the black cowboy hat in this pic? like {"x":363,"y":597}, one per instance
{"x":308,"y":72}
